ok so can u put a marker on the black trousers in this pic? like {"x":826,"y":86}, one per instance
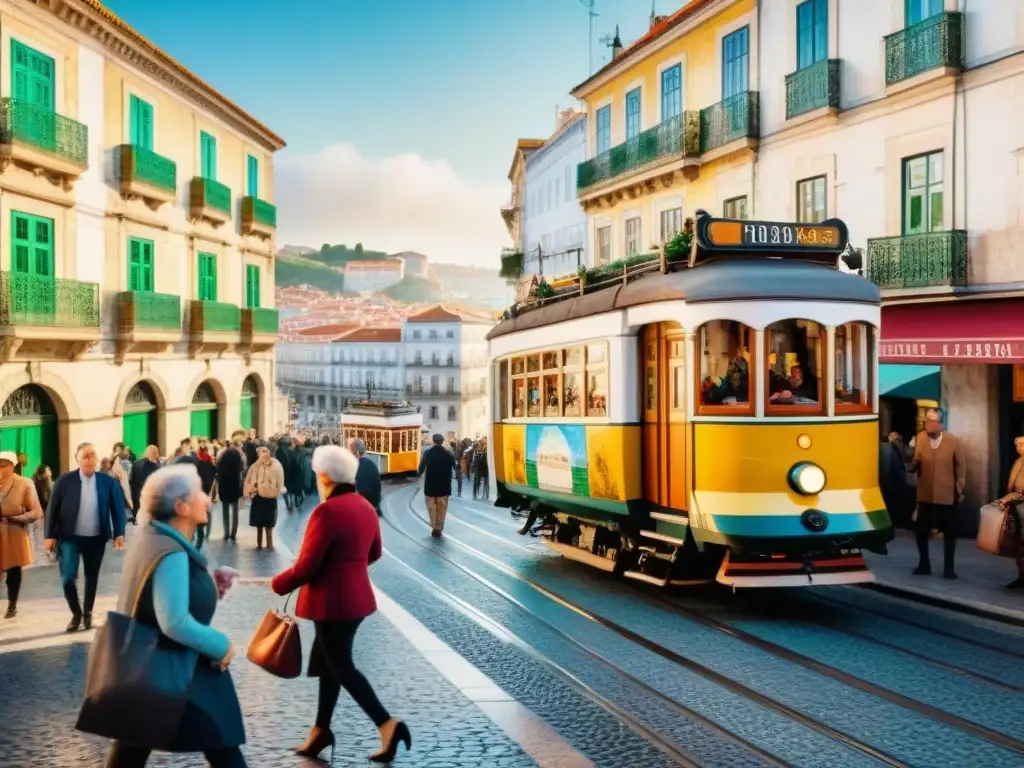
{"x":230,"y":511}
{"x":89,"y":551}
{"x":929,"y":518}
{"x":122,"y":755}
{"x":13,"y":583}
{"x":332,"y":659}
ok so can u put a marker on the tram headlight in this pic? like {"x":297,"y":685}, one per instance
{"x":807,"y":479}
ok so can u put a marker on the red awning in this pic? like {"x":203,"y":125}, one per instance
{"x":983,"y":331}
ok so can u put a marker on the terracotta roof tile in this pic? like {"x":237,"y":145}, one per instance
{"x":379,"y":335}
{"x":334,"y":329}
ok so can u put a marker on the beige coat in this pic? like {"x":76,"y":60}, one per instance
{"x":118,"y":473}
{"x":1015,"y":487}
{"x":941,"y":472}
{"x":19,"y":508}
{"x":265,"y":479}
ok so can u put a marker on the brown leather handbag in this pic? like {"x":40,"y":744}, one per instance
{"x":276,"y":646}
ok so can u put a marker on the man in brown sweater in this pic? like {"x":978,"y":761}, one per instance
{"x":941,"y":469}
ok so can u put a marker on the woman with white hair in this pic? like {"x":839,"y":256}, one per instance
{"x":333,"y":578}
{"x":179,"y":597}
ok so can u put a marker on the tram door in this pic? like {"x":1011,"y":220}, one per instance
{"x":663,"y":392}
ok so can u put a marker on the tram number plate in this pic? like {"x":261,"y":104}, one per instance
{"x":757,"y":234}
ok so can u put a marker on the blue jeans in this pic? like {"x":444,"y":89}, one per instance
{"x":88,"y":549}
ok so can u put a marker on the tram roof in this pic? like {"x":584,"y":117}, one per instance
{"x":747,"y":279}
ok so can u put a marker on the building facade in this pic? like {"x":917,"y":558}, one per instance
{"x":136,"y":300}
{"x":512,"y":211}
{"x":416,"y":264}
{"x":372,"y":276}
{"x":554,"y":225}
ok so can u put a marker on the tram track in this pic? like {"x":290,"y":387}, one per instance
{"x":701,"y":670}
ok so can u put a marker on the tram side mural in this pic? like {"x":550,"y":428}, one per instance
{"x":556,"y":458}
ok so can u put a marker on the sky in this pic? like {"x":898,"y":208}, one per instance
{"x":401,"y":116}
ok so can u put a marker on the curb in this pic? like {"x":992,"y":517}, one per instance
{"x":970,"y":607}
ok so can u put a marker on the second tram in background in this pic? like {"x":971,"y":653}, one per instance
{"x":391,"y":432}
{"x":705,"y":418}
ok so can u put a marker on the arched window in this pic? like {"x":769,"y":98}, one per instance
{"x":795,"y":375}
{"x":853,"y":368}
{"x":726,"y":384}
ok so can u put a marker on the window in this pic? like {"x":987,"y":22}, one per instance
{"x":735,"y":208}
{"x":920,"y":10}
{"x":604,"y":245}
{"x":677,"y":373}
{"x":853,"y":372}
{"x":570,"y":382}
{"x":503,"y":389}
{"x":632,"y":235}
{"x":632,"y":113}
{"x":435,"y":385}
{"x":671,"y":92}
{"x":735,"y":63}
{"x":922,"y":194}
{"x":432,"y":412}
{"x":207,"y":277}
{"x":140,"y":123}
{"x":793,"y":356}
{"x":33,"y":74}
{"x":568,"y":183}
{"x":810,"y":200}
{"x":450,"y":385}
{"x":449,"y":334}
{"x":208,"y":155}
{"x":597,"y":380}
{"x":811,"y":32}
{"x":32,"y":254}
{"x":671,"y":223}
{"x":725,"y":355}
{"x":603,"y":129}
{"x":140,"y":265}
{"x":252,"y":176}
{"x":451,"y":413}
{"x":252,"y":286}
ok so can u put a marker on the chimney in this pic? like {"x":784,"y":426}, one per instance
{"x":564,"y":117}
{"x":616,"y":44}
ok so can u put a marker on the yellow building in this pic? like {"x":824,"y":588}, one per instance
{"x":673,"y":126}
{"x":137,"y":283}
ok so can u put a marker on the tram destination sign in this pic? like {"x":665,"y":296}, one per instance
{"x":736,"y":236}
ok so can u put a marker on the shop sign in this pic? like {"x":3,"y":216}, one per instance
{"x":979,"y":350}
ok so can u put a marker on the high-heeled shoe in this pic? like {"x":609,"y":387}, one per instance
{"x":319,"y":740}
{"x":400,"y":735}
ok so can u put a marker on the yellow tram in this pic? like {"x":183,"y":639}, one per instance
{"x":391,"y":432}
{"x":711,"y":418}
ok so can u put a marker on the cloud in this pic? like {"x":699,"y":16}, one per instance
{"x":401,"y":203}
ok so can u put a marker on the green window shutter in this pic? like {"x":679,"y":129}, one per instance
{"x":33,"y":76}
{"x":146,"y":267}
{"x":20,"y":70}
{"x":253,"y":168}
{"x":252,"y":286}
{"x":208,"y":145}
{"x":140,"y":123}
{"x":20,"y":226}
{"x":42,"y":246}
{"x":207,"y":277}
{"x":134,"y":264}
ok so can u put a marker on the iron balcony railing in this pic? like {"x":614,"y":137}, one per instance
{"x":207,"y":193}
{"x":933,"y":259}
{"x":812,"y":88}
{"x":259,"y":211}
{"x":145,"y":310}
{"x":50,"y":301}
{"x":677,"y":136}
{"x":44,"y":129}
{"x":136,"y":163}
{"x":936,"y":42}
{"x":738,"y":117}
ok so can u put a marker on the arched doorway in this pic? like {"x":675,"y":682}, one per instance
{"x":250,"y":411}
{"x":138,"y":423}
{"x":28,"y":424}
{"x":204,"y":419}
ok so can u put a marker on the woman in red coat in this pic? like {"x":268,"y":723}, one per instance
{"x":333,"y":578}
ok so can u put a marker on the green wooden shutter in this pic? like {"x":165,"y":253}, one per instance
{"x":253,"y":167}
{"x":134,"y":264}
{"x":140,"y":123}
{"x":207,"y":277}
{"x":33,"y":75}
{"x":146,"y":267}
{"x":42,"y":246}
{"x":208,"y":145}
{"x":20,"y":70}
{"x":20,"y":226}
{"x":252,"y":286}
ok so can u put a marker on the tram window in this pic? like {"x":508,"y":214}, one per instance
{"x":518,"y":366}
{"x":677,"y":369}
{"x":552,"y":395}
{"x":853,"y":372}
{"x":533,"y":396}
{"x":573,"y":357}
{"x":518,"y":398}
{"x":550,"y":360}
{"x":794,"y":366}
{"x":503,"y":389}
{"x":597,"y":380}
{"x":725,"y":380}
{"x":572,"y":393}
{"x":533,"y":364}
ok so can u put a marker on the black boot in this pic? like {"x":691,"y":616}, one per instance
{"x":12,"y":609}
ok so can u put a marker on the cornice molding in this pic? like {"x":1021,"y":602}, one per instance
{"x":124,"y":43}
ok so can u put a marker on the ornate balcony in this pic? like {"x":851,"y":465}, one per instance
{"x":47,"y":317}
{"x":736,"y":119}
{"x":142,"y":173}
{"x":43,"y":141}
{"x":213,"y":326}
{"x":674,"y":139}
{"x":935,"y":259}
{"x":258,"y":217}
{"x":259,"y":328}
{"x":147,"y":322}
{"x":933,"y":45}
{"x":209,"y":200}
{"x":813,"y":88}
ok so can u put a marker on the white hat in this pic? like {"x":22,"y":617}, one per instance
{"x":10,"y":456}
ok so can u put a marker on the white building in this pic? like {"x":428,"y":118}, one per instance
{"x":554,"y":224}
{"x":446,"y":370}
{"x":415,"y":263}
{"x":370,"y":276}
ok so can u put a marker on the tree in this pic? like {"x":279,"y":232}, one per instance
{"x":359,"y":249}
{"x":325,"y":247}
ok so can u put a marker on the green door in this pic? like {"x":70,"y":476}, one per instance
{"x":203,"y":423}
{"x":28,"y":424}
{"x":138,"y":430}
{"x":246,"y":413}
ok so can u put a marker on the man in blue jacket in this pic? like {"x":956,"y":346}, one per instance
{"x":86,"y":511}
{"x":368,"y":483}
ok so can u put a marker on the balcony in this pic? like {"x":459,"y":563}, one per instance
{"x":213,"y":326}
{"x":43,"y":141}
{"x":430,"y":394}
{"x":730,"y":125}
{"x":209,"y":200}
{"x":813,"y":89}
{"x":674,"y":139}
{"x":931,"y":49}
{"x":144,"y":174}
{"x":259,"y":328}
{"x":258,"y":217}
{"x":47,"y":317}
{"x":147,"y":322}
{"x":932,"y":260}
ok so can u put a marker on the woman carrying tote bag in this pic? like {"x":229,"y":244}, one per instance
{"x":1002,"y":522}
{"x":263,"y":484}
